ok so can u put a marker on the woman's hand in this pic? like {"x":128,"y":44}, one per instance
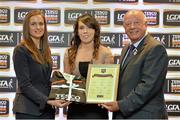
{"x":58,"y":103}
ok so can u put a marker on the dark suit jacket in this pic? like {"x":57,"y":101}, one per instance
{"x":33,"y":83}
{"x":140,"y":92}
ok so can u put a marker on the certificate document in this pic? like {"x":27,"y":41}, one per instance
{"x":102,"y":83}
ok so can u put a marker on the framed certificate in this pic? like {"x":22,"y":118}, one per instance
{"x":102,"y":83}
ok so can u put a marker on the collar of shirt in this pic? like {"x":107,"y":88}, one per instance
{"x":137,"y":43}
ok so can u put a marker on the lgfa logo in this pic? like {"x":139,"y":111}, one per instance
{"x":172,"y":107}
{"x":174,"y":62}
{"x":73,"y":15}
{"x":21,"y":15}
{"x":173,"y":17}
{"x":4,"y":37}
{"x":56,"y":38}
{"x":108,"y":39}
{"x":160,"y":38}
{"x":6,"y":84}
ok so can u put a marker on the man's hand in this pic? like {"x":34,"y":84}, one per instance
{"x":58,"y":103}
{"x":111,"y":106}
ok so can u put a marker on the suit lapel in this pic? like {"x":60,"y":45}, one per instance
{"x":123,"y":53}
{"x":139,"y":49}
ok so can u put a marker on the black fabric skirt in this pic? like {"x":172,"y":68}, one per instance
{"x":86,"y":111}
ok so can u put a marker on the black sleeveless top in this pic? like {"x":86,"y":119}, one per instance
{"x":85,"y":111}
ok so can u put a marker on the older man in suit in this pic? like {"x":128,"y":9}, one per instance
{"x":142,"y":74}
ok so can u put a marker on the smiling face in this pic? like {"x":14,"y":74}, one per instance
{"x":36,"y":27}
{"x":135,"y":25}
{"x":85,"y":33}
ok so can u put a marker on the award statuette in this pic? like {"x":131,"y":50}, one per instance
{"x":102,"y":83}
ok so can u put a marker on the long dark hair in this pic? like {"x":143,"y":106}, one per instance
{"x":91,"y":22}
{"x":45,"y":55}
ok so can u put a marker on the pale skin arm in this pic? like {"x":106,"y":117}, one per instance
{"x":109,"y":59}
{"x":66,"y":63}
